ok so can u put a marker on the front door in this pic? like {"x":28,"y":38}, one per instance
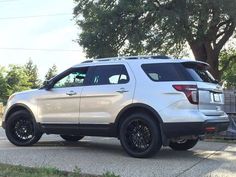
{"x":60,"y":104}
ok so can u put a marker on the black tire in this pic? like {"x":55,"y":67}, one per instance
{"x":72,"y":138}
{"x":140,"y":135}
{"x":183,"y":145}
{"x":21,"y":129}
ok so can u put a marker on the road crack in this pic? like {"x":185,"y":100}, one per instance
{"x":201,"y":160}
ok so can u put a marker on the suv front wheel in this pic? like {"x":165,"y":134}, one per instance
{"x":140,"y":135}
{"x":21,"y":129}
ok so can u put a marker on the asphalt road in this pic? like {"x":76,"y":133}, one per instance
{"x":98,"y":155}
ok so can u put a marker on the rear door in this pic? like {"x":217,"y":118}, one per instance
{"x":211,"y":98}
{"x":110,"y":89}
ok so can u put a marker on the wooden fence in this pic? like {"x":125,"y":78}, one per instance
{"x":230,"y":109}
{"x":230,"y":101}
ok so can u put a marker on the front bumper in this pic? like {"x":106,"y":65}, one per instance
{"x":174,"y":130}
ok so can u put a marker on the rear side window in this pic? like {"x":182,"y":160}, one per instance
{"x":166,"y":72}
{"x":110,"y":74}
{"x":187,"y":71}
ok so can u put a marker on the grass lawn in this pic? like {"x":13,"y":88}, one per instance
{"x":20,"y":171}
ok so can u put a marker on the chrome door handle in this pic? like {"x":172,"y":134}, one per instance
{"x":71,"y":93}
{"x":122,"y":90}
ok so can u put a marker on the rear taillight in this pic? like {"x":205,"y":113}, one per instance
{"x":191,"y":92}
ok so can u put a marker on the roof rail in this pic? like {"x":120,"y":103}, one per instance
{"x":128,"y":58}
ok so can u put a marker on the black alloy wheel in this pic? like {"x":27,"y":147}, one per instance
{"x":140,"y":135}
{"x":21,"y":129}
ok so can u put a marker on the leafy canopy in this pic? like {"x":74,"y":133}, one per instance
{"x":228,"y":67}
{"x":16,"y":79}
{"x":51,"y":72}
{"x":112,"y":27}
{"x":31,"y":71}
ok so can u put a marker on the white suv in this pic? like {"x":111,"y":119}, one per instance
{"x":146,"y":102}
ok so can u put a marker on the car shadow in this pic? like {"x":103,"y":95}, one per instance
{"x":114,"y":148}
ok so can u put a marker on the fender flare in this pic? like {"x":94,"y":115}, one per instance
{"x":138,"y":105}
{"x":20,"y":105}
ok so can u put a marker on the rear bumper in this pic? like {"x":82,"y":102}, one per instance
{"x":173,"y":130}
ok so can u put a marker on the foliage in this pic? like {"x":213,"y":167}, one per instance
{"x":3,"y":85}
{"x":20,"y":171}
{"x":31,"y":71}
{"x":228,"y":67}
{"x":52,"y":72}
{"x":109,"y":174}
{"x":110,"y":28}
{"x":76,"y":172}
{"x":16,"y":79}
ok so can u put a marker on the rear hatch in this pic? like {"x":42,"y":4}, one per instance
{"x":210,"y":93}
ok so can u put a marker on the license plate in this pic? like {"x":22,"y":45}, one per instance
{"x":216,"y":97}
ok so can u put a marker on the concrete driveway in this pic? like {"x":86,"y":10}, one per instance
{"x":98,"y":155}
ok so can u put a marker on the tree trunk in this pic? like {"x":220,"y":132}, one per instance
{"x":199,"y":51}
{"x":202,"y":51}
{"x":212,"y":60}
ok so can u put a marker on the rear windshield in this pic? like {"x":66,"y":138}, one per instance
{"x":199,"y":72}
{"x":189,"y":71}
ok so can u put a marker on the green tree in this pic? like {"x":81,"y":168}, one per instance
{"x":3,"y":85}
{"x":228,"y":67}
{"x":16,"y":79}
{"x":111,"y":27}
{"x":31,"y":71}
{"x":51,"y":72}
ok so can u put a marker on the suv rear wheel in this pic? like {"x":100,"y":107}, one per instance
{"x":72,"y":138}
{"x":21,"y":129}
{"x":183,"y":144}
{"x":140,"y":135}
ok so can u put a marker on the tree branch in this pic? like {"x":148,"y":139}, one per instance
{"x":223,"y":23}
{"x":228,"y":33}
{"x":220,"y":34}
{"x":158,"y":3}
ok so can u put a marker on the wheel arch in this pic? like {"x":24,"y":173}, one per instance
{"x":18,"y":107}
{"x":139,"y":107}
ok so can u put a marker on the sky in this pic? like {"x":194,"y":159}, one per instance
{"x":53,"y":35}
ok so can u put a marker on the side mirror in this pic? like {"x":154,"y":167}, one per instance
{"x":47,"y":85}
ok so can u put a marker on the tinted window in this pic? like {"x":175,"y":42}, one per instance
{"x":199,"y":72}
{"x":110,"y":74}
{"x":73,"y":79}
{"x":166,"y":72}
